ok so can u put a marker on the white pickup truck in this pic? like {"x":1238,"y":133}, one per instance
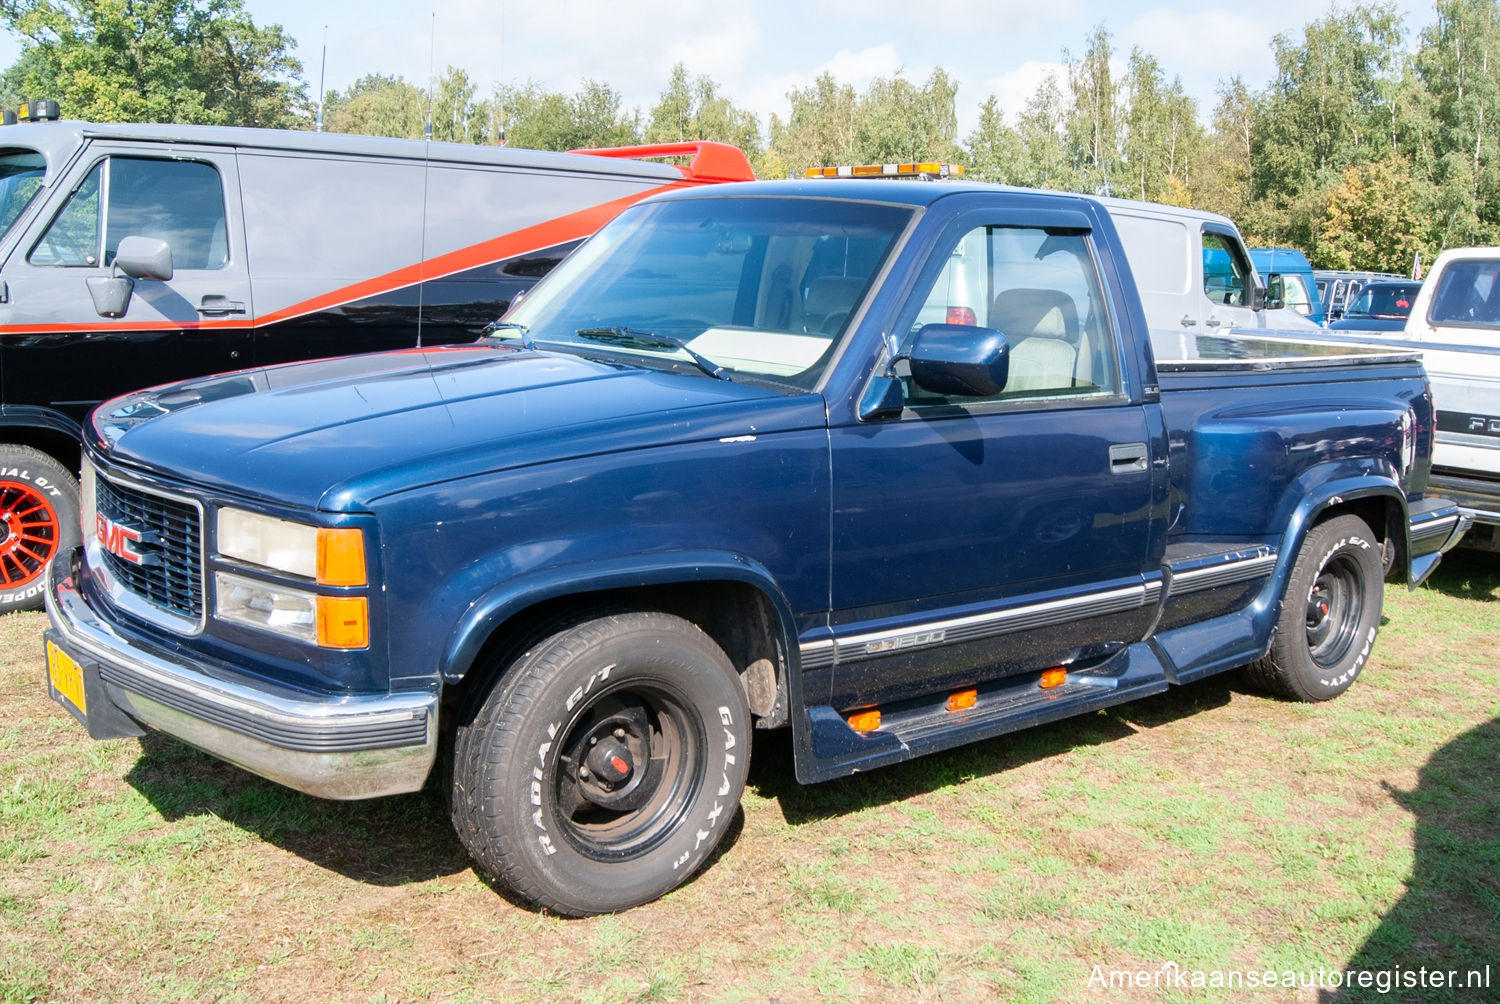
{"x":1455,"y":321}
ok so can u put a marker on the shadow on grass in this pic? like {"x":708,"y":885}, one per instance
{"x":772,"y":774}
{"x":1468,"y":575}
{"x":1449,"y":918}
{"x":382,"y":841}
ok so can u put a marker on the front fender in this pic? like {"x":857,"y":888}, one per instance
{"x":497,"y":605}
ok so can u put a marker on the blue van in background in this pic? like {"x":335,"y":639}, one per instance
{"x":1301,"y":292}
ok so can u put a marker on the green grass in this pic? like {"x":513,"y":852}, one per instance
{"x":1207,"y":828}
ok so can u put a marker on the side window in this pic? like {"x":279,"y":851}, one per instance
{"x":1040,"y":289}
{"x":1226,"y":273}
{"x":1296,"y":297}
{"x":178,"y":201}
{"x":1469,"y":294}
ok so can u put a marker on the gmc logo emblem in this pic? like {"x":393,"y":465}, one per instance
{"x":118,"y":540}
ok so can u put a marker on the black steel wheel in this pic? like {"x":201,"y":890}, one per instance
{"x":1329,"y":615}
{"x":604,"y":767}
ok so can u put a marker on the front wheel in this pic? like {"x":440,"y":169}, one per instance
{"x":605,"y":765}
{"x":1329,"y":615}
{"x":38,"y":521}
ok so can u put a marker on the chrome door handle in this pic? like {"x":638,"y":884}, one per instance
{"x":1212,"y":322}
{"x":1188,"y":321}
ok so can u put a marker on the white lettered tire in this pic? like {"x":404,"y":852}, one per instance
{"x":38,"y":522}
{"x":605,"y":764}
{"x":1329,"y":615}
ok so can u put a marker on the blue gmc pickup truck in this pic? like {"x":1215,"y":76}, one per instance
{"x":893,"y":465}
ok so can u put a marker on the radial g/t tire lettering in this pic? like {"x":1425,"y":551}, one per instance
{"x":38,"y":521}
{"x":1329,"y":615}
{"x":605,"y":764}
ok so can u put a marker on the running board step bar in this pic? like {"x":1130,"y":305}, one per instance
{"x":829,"y":747}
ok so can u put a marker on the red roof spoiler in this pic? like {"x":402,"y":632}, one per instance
{"x":711,"y":161}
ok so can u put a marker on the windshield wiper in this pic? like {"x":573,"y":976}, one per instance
{"x":634,"y":338}
{"x":494,"y":326}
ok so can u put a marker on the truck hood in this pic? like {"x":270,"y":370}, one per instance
{"x":338,"y":434}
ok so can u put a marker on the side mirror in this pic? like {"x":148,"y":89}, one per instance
{"x":1273,"y":297}
{"x":144,"y":258}
{"x":959,"y":359}
{"x":138,"y":258}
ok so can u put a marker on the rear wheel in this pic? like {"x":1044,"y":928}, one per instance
{"x":1329,"y":615}
{"x":604,"y":767}
{"x":38,"y":521}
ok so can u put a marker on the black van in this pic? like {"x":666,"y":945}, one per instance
{"x":133,"y":255}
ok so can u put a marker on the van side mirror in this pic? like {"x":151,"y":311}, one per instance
{"x":960,"y":359}
{"x":1273,"y":297}
{"x":138,"y":258}
{"x":144,"y":258}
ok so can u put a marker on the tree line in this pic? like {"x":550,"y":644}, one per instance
{"x":1362,"y":150}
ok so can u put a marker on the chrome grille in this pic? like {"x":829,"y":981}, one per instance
{"x":170,"y":574}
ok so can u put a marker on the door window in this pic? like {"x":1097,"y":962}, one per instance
{"x":1039,"y":288}
{"x":178,"y":201}
{"x":1226,"y":273}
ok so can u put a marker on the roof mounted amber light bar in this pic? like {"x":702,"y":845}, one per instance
{"x":711,"y":161}
{"x":925,"y":170}
{"x":45,"y":110}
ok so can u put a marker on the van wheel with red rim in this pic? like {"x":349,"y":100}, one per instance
{"x":605,"y":765}
{"x":38,"y":521}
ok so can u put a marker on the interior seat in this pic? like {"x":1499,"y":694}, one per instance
{"x":1041,"y":326}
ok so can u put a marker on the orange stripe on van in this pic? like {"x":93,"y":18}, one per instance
{"x":550,"y":233}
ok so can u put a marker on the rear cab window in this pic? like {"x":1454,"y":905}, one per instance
{"x":1468,"y":295}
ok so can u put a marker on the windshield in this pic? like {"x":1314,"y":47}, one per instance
{"x":1385,"y":301}
{"x":21,"y":174}
{"x":738,"y":288}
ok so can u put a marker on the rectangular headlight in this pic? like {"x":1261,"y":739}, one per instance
{"x":331,"y":556}
{"x":269,"y":542}
{"x":341,"y":622}
{"x":277,"y":609}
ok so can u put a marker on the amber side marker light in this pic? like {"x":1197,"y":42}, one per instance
{"x":1055,"y":677}
{"x":343,"y":622}
{"x":962,"y":699}
{"x":864,"y":721}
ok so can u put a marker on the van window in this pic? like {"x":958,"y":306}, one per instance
{"x":1295,"y":294}
{"x":1158,"y":253}
{"x":1040,"y":289}
{"x":21,"y":174}
{"x":1468,"y":294}
{"x":1226,"y":273}
{"x":178,"y":201}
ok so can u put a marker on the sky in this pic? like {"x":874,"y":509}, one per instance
{"x":757,"y":51}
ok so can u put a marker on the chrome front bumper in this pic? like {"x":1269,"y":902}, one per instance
{"x":345,"y":748}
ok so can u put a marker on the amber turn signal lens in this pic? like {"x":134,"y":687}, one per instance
{"x":962,"y":699}
{"x":343,"y":622}
{"x":864,"y":721}
{"x":1054,"y":678}
{"x":341,"y":556}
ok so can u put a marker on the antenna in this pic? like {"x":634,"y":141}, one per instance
{"x":431,"y":71}
{"x":322,"y":73}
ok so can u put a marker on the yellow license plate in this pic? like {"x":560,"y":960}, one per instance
{"x":67,"y":676}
